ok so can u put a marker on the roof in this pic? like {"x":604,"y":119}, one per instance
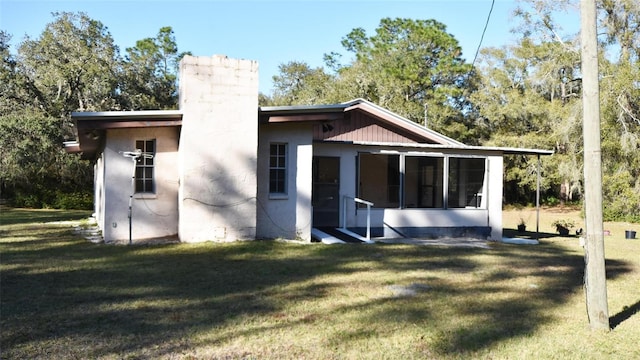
{"x":319,"y":113}
{"x":432,"y":139}
{"x":91,"y":126}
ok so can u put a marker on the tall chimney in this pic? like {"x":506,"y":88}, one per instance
{"x":218,"y":149}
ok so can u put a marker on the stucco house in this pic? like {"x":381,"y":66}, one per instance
{"x":222,"y":168}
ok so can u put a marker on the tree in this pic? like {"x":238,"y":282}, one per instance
{"x":71,"y":66}
{"x":8,"y":83}
{"x":415,"y":68}
{"x":407,"y":66}
{"x":299,"y":84}
{"x":149,"y":79}
{"x":529,"y":95}
{"x":36,"y":171}
{"x":528,"y":98}
{"x":621,"y":22}
{"x":620,"y":107}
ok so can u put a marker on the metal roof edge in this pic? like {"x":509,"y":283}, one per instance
{"x":504,"y":150}
{"x":302,"y":108}
{"x":125,"y":115}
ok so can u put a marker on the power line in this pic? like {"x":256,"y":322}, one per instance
{"x":483,"y":31}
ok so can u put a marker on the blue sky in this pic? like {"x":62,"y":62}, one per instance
{"x":271,"y":32}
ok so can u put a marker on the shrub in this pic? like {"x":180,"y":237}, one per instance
{"x":621,"y":200}
{"x":551,"y":200}
{"x":74,"y":201}
{"x":56,"y":199}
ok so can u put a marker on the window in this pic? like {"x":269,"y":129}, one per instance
{"x":423,"y":182}
{"x":379,"y":180}
{"x":145,"y":165}
{"x":278,"y":169}
{"x":466,"y":182}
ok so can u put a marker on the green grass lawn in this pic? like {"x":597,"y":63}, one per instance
{"x":63,"y":297}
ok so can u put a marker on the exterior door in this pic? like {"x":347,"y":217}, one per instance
{"x":325,"y":196}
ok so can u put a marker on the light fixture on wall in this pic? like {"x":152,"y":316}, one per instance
{"x":326,"y":127}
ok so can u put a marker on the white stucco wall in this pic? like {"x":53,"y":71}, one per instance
{"x":218,"y":149}
{"x":154,"y":215}
{"x":286,"y":216}
{"x":491,"y":215}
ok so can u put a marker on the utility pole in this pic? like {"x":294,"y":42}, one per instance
{"x":595,"y":278}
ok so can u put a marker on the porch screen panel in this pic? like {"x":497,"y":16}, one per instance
{"x":379,"y":179}
{"x":423,"y":182}
{"x":466,"y":183}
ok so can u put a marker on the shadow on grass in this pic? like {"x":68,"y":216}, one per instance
{"x":625,"y":314}
{"x":513,"y":233}
{"x":71,"y":298}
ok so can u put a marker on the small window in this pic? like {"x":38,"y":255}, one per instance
{"x":145,"y":166}
{"x":278,"y":169}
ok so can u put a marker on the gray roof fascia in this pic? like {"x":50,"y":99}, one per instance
{"x":302,"y":109}
{"x":503,"y":150}
{"x":127,"y":115}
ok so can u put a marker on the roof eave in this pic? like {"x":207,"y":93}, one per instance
{"x":465,"y":148}
{"x":91,"y":126}
{"x":127,"y":115}
{"x":302,"y":108}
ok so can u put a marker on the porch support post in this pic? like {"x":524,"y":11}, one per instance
{"x":344,"y":212}
{"x":368,"y":222}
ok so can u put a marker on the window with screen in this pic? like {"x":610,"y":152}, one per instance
{"x":278,"y":169}
{"x":145,"y":166}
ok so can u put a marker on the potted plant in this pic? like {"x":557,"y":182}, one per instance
{"x":563,"y":226}
{"x":522,"y":226}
